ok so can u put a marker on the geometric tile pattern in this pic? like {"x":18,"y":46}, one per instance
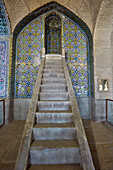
{"x":3,"y":22}
{"x":53,"y":36}
{"x":28,"y":57}
{"x":76,"y":48}
{"x":4,"y":41}
{"x":3,"y":76}
{"x":53,"y":43}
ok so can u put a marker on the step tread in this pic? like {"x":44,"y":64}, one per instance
{"x":53,"y":111}
{"x":56,"y":167}
{"x":53,"y":74}
{"x":53,"y":78}
{"x":54,"y":101}
{"x":54,"y":92}
{"x":67,"y":143}
{"x":54,"y":125}
{"x":54,"y":84}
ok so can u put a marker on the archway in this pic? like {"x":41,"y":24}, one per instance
{"x":79,"y":57}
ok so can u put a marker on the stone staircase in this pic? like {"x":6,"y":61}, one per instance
{"x":55,"y":145}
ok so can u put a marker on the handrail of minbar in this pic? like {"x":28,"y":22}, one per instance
{"x":86,"y":158}
{"x":107,"y":119}
{"x":3,"y":100}
{"x":23,"y":153}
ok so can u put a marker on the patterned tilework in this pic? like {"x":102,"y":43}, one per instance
{"x":53,"y":37}
{"x":3,"y":76}
{"x":4,"y":50}
{"x":76,"y":47}
{"x":3,"y":22}
{"x":29,"y":47}
{"x":52,"y":41}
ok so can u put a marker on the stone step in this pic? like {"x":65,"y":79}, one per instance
{"x":56,"y":167}
{"x":53,"y":87}
{"x":53,"y":80}
{"x":54,"y":117}
{"x":53,"y":63}
{"x":54,"y":152}
{"x":53,"y":71}
{"x":53,"y":75}
{"x":53,"y":60}
{"x":54,"y":105}
{"x":52,"y":131}
{"x":53,"y":56}
{"x":54,"y":96}
{"x":53,"y":67}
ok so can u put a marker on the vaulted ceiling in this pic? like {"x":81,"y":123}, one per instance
{"x":87,"y":10}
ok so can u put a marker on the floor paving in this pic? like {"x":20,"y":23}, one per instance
{"x":100,"y":139}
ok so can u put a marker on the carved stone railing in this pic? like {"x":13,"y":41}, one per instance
{"x":23,"y":154}
{"x":87,"y":162}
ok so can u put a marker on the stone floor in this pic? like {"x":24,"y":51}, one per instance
{"x":100,"y":138}
{"x":10,"y":136}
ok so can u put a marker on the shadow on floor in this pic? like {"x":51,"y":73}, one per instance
{"x":91,"y":142}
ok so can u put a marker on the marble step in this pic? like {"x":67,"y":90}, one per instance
{"x":56,"y":167}
{"x":53,"y":87}
{"x":53,"y":95}
{"x":53,"y":75}
{"x":54,"y":152}
{"x":54,"y":105}
{"x":54,"y":117}
{"x":53,"y":80}
{"x":51,"y":131}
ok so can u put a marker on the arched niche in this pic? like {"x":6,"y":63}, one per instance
{"x":61,"y":9}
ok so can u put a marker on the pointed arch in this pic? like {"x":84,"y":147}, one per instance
{"x":38,"y":12}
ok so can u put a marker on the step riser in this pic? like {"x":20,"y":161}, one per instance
{"x":54,"y":106}
{"x":53,"y":67}
{"x":53,"y":60}
{"x":48,"y":57}
{"x":53,"y":71}
{"x":54,"y":117}
{"x":55,"y":156}
{"x":57,"y":81}
{"x":53,"y":76}
{"x":54,"y":96}
{"x":53,"y":133}
{"x":53,"y":63}
{"x":53,"y":88}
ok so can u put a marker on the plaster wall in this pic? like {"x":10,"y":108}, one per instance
{"x":103,"y":57}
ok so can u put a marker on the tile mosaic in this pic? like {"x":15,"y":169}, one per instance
{"x":3,"y":76}
{"x":29,"y":46}
{"x":3,"y":22}
{"x":75,"y":42}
